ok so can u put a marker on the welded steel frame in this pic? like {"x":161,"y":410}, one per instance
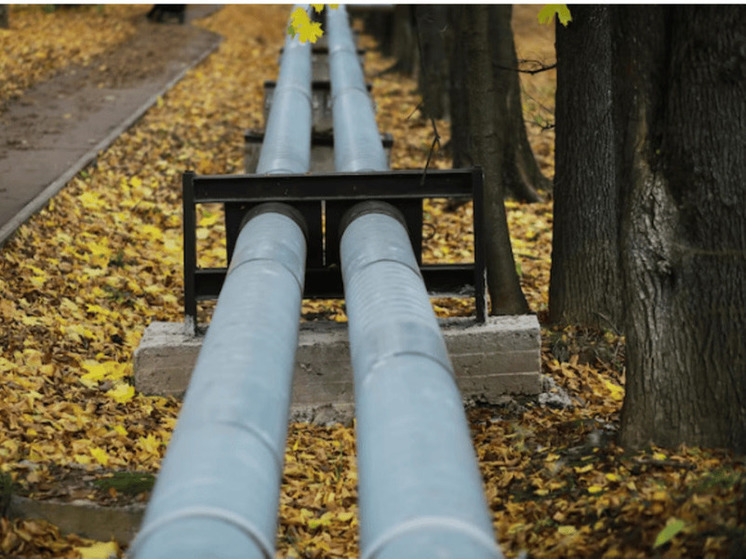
{"x":331,"y":194}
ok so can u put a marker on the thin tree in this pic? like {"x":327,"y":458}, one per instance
{"x":521,"y":175}
{"x":585,"y":283}
{"x":489,"y":136}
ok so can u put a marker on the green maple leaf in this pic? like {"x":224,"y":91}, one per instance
{"x":546,"y":15}
{"x":673,"y":527}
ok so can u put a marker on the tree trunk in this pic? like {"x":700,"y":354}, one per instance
{"x":489,"y":138}
{"x":520,"y":172}
{"x":4,"y":16}
{"x":585,"y":285}
{"x":680,"y":114}
{"x":403,"y":44}
{"x":460,"y":143}
{"x":434,"y":41}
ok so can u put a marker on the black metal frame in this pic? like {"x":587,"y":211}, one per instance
{"x":332,"y":194}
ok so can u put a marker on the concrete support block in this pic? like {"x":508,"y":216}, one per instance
{"x":491,"y":360}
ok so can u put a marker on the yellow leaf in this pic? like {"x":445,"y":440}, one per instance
{"x":310,"y":32}
{"x":346,"y":516}
{"x":90,"y":200}
{"x":660,"y":496}
{"x":149,"y":444}
{"x":299,"y":17}
{"x":593,"y":489}
{"x":82,"y":459}
{"x":612,"y":477}
{"x":617,"y":392}
{"x":96,"y":371}
{"x":122,"y":394}
{"x":99,"y":550}
{"x":318,"y":7}
{"x":659,"y":456}
{"x":99,"y":454}
{"x":567,"y":530}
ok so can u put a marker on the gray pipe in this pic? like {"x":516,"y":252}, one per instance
{"x":287,"y":147}
{"x":419,"y":485}
{"x":218,"y":490}
{"x":357,"y":143}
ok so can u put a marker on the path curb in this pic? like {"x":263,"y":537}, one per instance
{"x":41,"y":199}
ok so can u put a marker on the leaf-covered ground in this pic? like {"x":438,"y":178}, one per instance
{"x":82,"y":279}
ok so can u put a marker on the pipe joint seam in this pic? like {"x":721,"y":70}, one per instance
{"x":298,"y":281}
{"x":380,"y":361}
{"x":338,"y":94}
{"x":438,"y":523}
{"x":280,"y":208}
{"x":371,"y":207}
{"x":213,"y":513}
{"x":282,"y":88}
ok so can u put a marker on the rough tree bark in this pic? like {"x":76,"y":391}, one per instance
{"x":434,"y":41}
{"x":489,"y":137}
{"x":4,"y":16}
{"x":521,"y":174}
{"x":585,"y":285}
{"x":680,"y":114}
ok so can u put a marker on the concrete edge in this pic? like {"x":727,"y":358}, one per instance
{"x":83,"y":518}
{"x":41,"y":199}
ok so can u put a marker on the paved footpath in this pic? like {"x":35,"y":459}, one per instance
{"x":59,"y":126}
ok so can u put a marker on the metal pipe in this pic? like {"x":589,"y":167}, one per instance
{"x":419,"y":485}
{"x":287,"y":139}
{"x":357,"y":143}
{"x":218,"y":490}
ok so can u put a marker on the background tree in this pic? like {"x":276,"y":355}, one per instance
{"x":489,"y":135}
{"x":4,"y":16}
{"x":586,"y":282}
{"x":520,"y":172}
{"x":679,"y":99}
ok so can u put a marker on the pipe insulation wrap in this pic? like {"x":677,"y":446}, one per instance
{"x":287,"y":139}
{"x":218,"y":489}
{"x":357,"y":143}
{"x":419,"y":485}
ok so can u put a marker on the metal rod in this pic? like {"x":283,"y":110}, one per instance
{"x":217,"y":493}
{"x":419,"y":486}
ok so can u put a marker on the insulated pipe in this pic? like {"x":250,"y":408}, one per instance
{"x":218,"y":490}
{"x":419,"y":485}
{"x":287,"y":139}
{"x":357,"y":144}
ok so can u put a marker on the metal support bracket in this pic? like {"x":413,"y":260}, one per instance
{"x":323,"y":199}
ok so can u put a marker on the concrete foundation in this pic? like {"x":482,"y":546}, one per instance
{"x":491,"y":360}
